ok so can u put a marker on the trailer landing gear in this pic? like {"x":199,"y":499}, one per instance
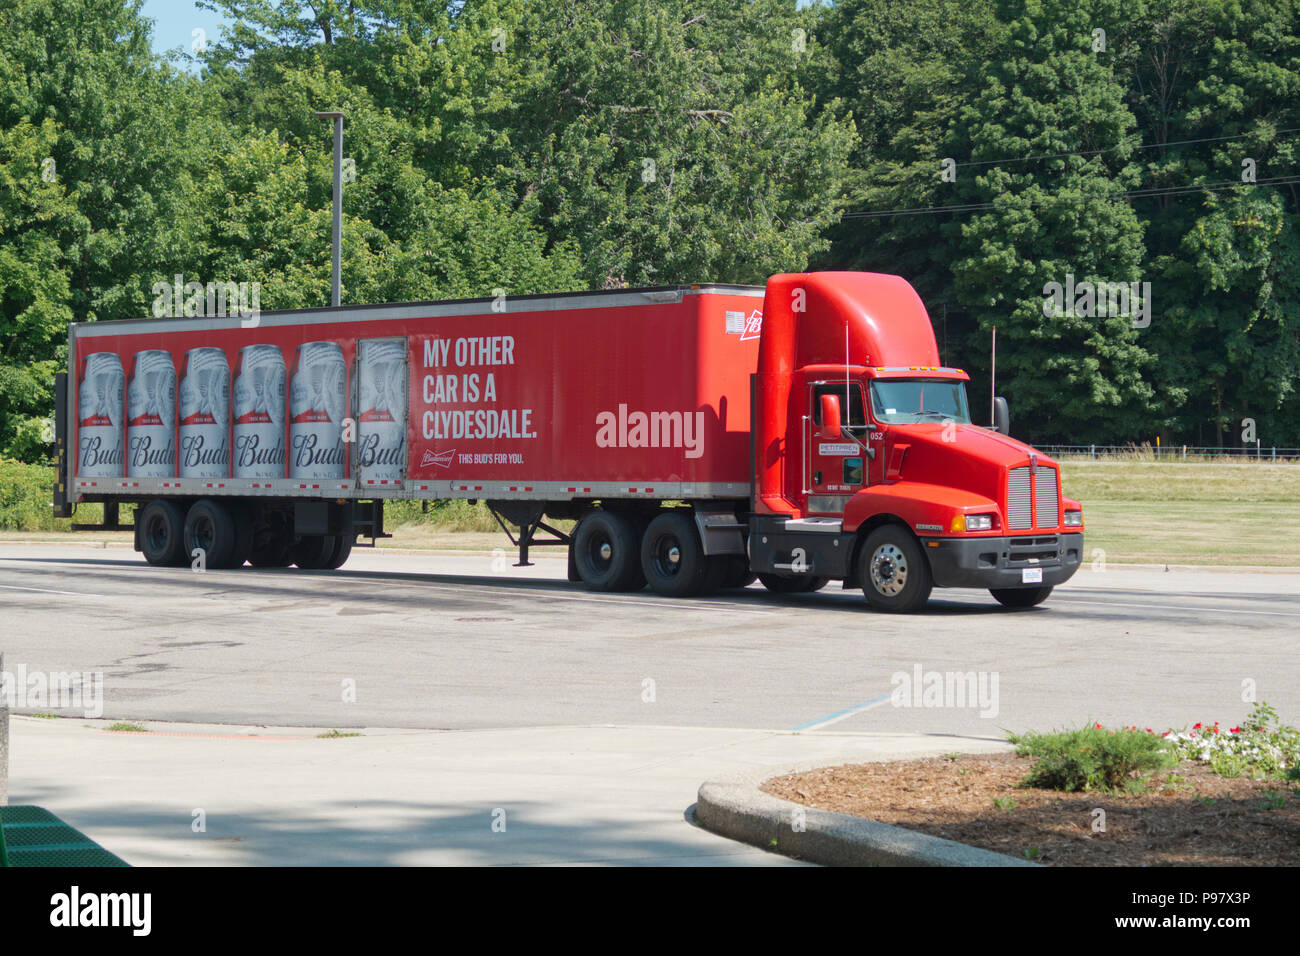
{"x":528,"y":517}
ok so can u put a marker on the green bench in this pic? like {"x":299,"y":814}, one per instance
{"x":32,"y":836}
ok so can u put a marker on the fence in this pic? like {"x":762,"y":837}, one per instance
{"x":1145,"y":452}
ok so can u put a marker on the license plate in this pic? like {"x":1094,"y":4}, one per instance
{"x":1031,"y":576}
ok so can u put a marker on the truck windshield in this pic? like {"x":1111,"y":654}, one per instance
{"x":907,"y":401}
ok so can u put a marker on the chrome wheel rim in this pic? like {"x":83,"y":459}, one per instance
{"x":888,"y":570}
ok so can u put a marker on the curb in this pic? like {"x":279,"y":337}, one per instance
{"x":734,"y":807}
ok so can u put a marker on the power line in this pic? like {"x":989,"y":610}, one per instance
{"x":1111,"y":149}
{"x":1127,"y":194}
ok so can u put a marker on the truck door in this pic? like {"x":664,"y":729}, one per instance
{"x":836,"y":464}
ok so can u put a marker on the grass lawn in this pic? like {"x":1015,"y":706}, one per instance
{"x":1137,"y":512}
{"x":1221,"y":513}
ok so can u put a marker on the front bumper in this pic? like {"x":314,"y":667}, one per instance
{"x":1001,"y":562}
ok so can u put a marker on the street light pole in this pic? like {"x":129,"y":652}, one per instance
{"x":337,"y":117}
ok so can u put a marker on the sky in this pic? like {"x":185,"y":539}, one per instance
{"x":175,"y":21}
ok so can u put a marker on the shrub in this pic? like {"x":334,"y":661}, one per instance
{"x":1092,"y":758}
{"x":26,"y":499}
{"x":26,"y":492}
{"x":1262,"y":746}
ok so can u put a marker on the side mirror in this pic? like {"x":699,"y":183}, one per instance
{"x":831,"y":417}
{"x":1001,"y":416}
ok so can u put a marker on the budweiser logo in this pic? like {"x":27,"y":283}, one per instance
{"x":442,"y":459}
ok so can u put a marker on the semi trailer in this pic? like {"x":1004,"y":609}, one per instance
{"x":687,"y":438}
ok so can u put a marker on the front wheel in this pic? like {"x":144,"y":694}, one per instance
{"x":1021,"y":597}
{"x":894,"y":574}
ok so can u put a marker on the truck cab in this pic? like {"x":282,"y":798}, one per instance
{"x":868,"y":468}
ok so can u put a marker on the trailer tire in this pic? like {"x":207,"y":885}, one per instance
{"x":606,"y":553}
{"x":342,"y":550}
{"x":162,"y":533}
{"x":273,"y":541}
{"x":673,"y":558}
{"x":1021,"y":597}
{"x":313,"y":552}
{"x":242,"y":516}
{"x":210,"y":527}
{"x":894,"y":573}
{"x":779,"y":584}
{"x":738,"y":574}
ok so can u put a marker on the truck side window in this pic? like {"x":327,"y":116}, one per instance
{"x":854,"y":416}
{"x":853,"y":471}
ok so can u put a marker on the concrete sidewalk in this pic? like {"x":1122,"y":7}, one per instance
{"x":284,"y":796}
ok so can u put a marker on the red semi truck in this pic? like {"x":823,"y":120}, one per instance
{"x":699,"y":437}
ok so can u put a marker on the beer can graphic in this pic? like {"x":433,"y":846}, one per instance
{"x":151,"y":416}
{"x":205,"y":415}
{"x":101,"y":406}
{"x":318,"y":400}
{"x":381,"y":410}
{"x":259,"y":413}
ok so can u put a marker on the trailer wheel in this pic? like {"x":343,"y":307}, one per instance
{"x":779,"y":584}
{"x":243,"y":549}
{"x":342,"y":550}
{"x":210,"y":528}
{"x":272,"y":544}
{"x":313,"y":552}
{"x":162,"y":533}
{"x":738,"y":574}
{"x":673,"y":558}
{"x":715,"y":573}
{"x":605,"y":551}
{"x":894,"y":574}
{"x":1021,"y":597}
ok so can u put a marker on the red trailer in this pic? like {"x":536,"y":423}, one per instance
{"x":276,"y":439}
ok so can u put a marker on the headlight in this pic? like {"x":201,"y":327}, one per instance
{"x":1074,"y":519}
{"x":979,"y":522}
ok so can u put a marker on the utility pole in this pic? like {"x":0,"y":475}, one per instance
{"x":993,"y":378}
{"x":337,"y":117}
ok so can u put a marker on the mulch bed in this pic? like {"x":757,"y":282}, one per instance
{"x":1188,"y":817}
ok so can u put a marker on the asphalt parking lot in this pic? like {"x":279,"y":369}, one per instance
{"x":508,"y":717}
{"x":403,"y":640}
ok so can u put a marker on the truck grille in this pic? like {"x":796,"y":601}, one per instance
{"x":1019,"y":503}
{"x":1047,"y":504}
{"x":1034,"y":504}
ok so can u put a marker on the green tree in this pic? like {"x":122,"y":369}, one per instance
{"x":1074,"y":377}
{"x":34,"y":284}
{"x":1216,"y":90}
